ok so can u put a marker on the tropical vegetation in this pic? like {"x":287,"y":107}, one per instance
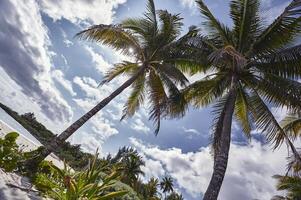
{"x":117,"y":177}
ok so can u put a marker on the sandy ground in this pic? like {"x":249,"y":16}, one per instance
{"x":7,"y":192}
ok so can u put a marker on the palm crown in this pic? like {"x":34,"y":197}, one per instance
{"x":146,"y":41}
{"x":254,"y":61}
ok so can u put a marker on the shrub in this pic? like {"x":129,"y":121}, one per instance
{"x":10,"y":155}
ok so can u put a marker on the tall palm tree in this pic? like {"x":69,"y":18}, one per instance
{"x":153,"y":75}
{"x":249,"y":67}
{"x":166,"y":185}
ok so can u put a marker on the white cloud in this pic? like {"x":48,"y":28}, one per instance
{"x":81,"y":11}
{"x":60,"y":78}
{"x":139,"y":126}
{"x":26,"y":57}
{"x":249,"y":173}
{"x":101,"y":125}
{"x":88,"y":142}
{"x":102,"y":66}
{"x":191,"y":130}
{"x":188,"y":3}
{"x":89,"y":87}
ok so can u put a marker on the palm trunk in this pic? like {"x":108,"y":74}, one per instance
{"x":222,"y":151}
{"x":58,"y":141}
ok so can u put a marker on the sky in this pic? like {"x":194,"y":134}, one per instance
{"x":45,"y":70}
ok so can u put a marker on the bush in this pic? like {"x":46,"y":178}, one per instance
{"x":10,"y":155}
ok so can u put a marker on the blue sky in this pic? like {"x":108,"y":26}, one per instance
{"x":44,"y":69}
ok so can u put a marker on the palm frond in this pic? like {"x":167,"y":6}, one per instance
{"x":172,"y":72}
{"x":157,"y":97}
{"x":219,"y":32}
{"x":242,"y":111}
{"x":136,"y":97}
{"x":292,"y":184}
{"x":245,"y":14}
{"x":279,"y":91}
{"x":265,"y":121}
{"x":119,"y":69}
{"x":204,"y":92}
{"x":171,"y":26}
{"x":176,"y":105}
{"x":151,"y":17}
{"x":285,"y":63}
{"x":112,"y":35}
{"x":292,"y":126}
{"x":281,"y":32}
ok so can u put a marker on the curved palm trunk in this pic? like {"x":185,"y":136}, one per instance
{"x":57,"y":142}
{"x":222,"y":152}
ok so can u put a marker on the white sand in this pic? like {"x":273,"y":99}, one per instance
{"x":11,"y":193}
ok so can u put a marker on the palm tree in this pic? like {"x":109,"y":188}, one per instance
{"x":131,"y":168}
{"x":152,"y":73}
{"x":166,"y":185}
{"x":175,"y":196}
{"x":252,"y":66}
{"x":152,"y":189}
{"x":128,"y":163}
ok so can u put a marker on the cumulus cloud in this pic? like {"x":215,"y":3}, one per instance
{"x":25,"y":57}
{"x":60,"y":78}
{"x":249,"y":173}
{"x":81,"y":11}
{"x":191,"y":131}
{"x":188,"y":3}
{"x":101,"y":125}
{"x":139,"y":126}
{"x":101,"y":64}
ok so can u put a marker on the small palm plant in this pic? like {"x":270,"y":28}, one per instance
{"x":152,"y":73}
{"x":248,"y":68}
